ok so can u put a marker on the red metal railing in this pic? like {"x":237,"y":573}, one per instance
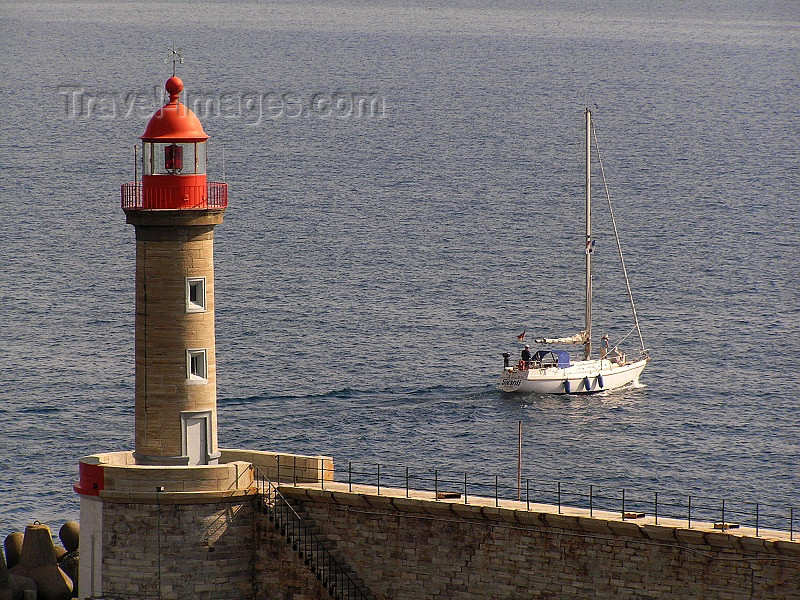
{"x":191,"y":197}
{"x":217,"y":194}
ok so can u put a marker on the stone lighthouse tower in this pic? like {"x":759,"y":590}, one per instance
{"x":152,"y":519}
{"x":173,"y":518}
{"x":174,"y":211}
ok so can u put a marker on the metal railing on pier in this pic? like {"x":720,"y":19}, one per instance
{"x":628,"y":503}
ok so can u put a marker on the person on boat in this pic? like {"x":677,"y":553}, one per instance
{"x":526,"y":356}
{"x":618,"y":356}
{"x":604,"y":346}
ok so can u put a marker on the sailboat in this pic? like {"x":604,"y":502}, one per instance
{"x":552,"y":371}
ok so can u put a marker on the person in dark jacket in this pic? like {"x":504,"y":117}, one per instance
{"x":526,"y":355}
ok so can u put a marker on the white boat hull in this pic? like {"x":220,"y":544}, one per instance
{"x":582,"y":377}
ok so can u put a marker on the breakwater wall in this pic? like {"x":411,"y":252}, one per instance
{"x":424,"y":548}
{"x":229,"y":531}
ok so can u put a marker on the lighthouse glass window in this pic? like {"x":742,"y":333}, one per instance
{"x":195,"y":294}
{"x":196,"y":365}
{"x":174,"y":158}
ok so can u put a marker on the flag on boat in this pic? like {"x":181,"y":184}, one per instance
{"x":590,"y":246}
{"x":521,"y":336}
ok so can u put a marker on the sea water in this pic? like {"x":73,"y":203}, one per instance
{"x":406,"y":197}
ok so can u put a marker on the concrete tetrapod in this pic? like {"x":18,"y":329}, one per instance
{"x":38,"y":562}
{"x":69,"y":534}
{"x":13,"y":587}
{"x":13,"y":546}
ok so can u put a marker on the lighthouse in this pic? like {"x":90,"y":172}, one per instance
{"x":173,"y":518}
{"x":174,"y":211}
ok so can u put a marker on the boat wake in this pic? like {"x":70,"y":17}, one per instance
{"x":349,"y":393}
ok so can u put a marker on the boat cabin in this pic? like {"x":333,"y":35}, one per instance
{"x":550,"y":358}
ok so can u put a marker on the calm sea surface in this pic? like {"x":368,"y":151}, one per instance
{"x":373,"y":267}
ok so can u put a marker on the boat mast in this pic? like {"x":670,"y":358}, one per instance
{"x":587,"y":346}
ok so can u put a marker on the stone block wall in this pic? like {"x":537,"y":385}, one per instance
{"x":281,"y":467}
{"x":279,"y":573}
{"x":176,"y":531}
{"x":178,"y":551}
{"x":423,"y":549}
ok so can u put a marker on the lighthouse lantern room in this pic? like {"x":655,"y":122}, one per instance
{"x":174,"y":161}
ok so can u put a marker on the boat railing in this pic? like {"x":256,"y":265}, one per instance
{"x":631,"y":503}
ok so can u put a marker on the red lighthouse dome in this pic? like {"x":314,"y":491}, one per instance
{"x":174,"y":162}
{"x":174,"y":121}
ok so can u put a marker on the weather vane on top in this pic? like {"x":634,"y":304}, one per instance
{"x":175,"y":57}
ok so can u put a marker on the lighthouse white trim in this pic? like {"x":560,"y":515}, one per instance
{"x":91,"y":548}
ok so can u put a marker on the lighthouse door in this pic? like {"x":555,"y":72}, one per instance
{"x":196,"y":438}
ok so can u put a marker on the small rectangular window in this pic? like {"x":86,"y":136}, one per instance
{"x":197,"y":364}
{"x":195,"y":294}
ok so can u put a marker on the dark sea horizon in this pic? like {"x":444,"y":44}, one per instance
{"x":405,"y":197}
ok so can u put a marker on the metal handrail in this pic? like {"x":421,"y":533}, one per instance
{"x":335,"y":578}
{"x":722,"y":512}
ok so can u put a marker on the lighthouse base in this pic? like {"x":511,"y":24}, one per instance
{"x":176,"y":532}
{"x":167,"y":548}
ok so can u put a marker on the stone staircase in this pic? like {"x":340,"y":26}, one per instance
{"x":317,"y":551}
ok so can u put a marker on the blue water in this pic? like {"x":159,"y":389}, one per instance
{"x":371,"y":270}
